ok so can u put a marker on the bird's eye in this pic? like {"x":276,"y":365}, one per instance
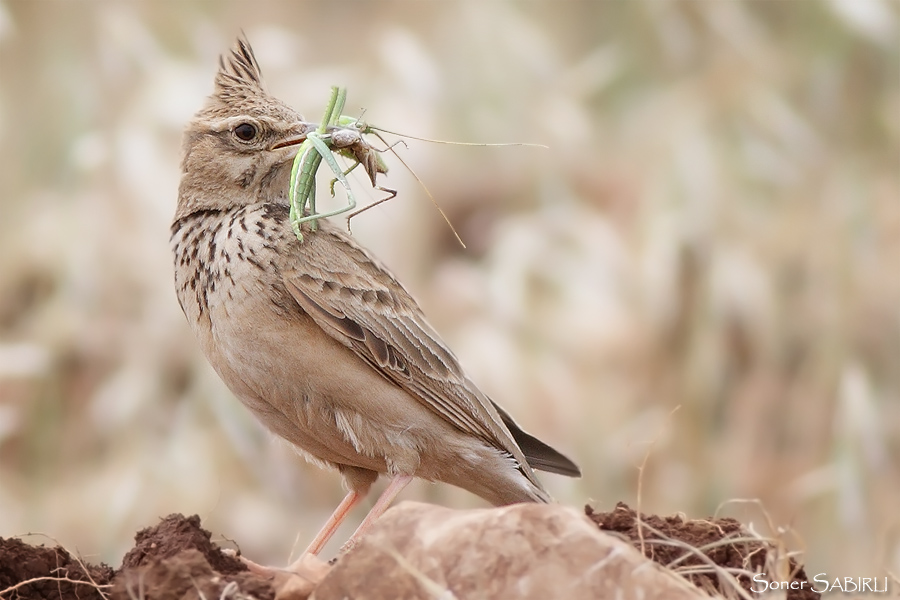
{"x":245,"y":131}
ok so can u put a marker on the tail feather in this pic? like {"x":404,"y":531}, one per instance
{"x":539,"y":455}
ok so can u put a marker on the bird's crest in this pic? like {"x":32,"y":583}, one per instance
{"x":239,"y":69}
{"x":239,"y":84}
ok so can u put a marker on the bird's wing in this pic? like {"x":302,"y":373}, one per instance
{"x":359,"y":303}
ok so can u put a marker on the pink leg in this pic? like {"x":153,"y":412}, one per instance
{"x":352,"y":498}
{"x":384,"y":502}
{"x":301,"y":565}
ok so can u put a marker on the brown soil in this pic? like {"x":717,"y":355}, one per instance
{"x":176,"y":560}
{"x":700,"y":536}
{"x":173,"y":560}
{"x":52,"y":572}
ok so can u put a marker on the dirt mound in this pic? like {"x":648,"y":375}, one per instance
{"x":173,"y":535}
{"x":176,"y":560}
{"x":35,"y":572}
{"x":692,"y":547}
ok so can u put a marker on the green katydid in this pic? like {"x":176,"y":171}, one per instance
{"x":309,"y":157}
{"x":344,"y":135}
{"x":338,"y":134}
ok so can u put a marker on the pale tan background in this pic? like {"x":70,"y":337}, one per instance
{"x":715,"y":227}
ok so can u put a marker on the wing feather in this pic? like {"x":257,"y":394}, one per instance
{"x":359,"y":303}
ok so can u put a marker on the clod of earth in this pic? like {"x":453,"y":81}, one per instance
{"x":418,"y":550}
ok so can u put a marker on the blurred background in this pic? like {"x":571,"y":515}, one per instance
{"x":702,"y":271}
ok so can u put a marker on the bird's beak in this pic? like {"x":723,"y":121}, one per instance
{"x":296,"y":136}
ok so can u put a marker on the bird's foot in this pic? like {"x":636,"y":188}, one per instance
{"x":297,"y":580}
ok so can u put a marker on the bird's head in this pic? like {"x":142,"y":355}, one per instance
{"x":239,"y":148}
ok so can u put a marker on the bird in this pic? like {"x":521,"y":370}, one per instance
{"x":316,"y":337}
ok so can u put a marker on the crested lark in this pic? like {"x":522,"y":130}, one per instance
{"x":317,"y":338}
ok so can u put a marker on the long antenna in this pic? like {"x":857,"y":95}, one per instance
{"x":421,"y":139}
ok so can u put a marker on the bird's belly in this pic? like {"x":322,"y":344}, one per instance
{"x":314,"y":392}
